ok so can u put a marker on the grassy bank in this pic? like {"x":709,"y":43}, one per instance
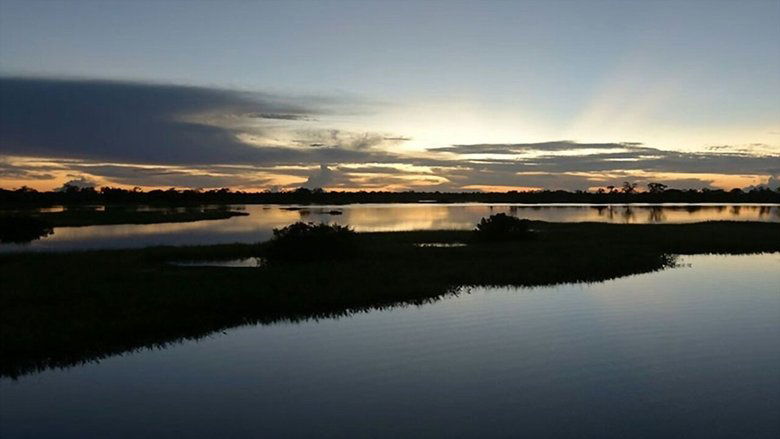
{"x":121,"y":215}
{"x":65,"y":308}
{"x":16,"y":227}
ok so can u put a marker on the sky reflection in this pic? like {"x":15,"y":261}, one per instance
{"x":260,"y":222}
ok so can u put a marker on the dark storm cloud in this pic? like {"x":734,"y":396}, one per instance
{"x":136,"y":122}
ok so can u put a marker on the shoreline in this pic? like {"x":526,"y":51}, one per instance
{"x":12,"y":208}
{"x":88,"y":217}
{"x":57,"y":313}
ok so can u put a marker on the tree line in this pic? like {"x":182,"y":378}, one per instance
{"x":627,"y":193}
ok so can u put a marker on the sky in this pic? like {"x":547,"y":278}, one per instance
{"x":389,"y":95}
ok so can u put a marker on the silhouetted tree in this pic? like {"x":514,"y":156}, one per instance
{"x":656,"y":188}
{"x":628,"y":187}
{"x":108,"y":195}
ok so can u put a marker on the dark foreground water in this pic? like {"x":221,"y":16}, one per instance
{"x":257,"y":226}
{"x":687,"y":352}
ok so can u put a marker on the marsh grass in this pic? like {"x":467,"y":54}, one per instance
{"x":61,"y":309}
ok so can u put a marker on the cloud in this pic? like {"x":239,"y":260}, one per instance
{"x":322,"y":178}
{"x":81,"y":183}
{"x":144,"y":123}
{"x":342,"y":140}
{"x":175,"y":177}
{"x":173,"y":135}
{"x":452,"y":176}
{"x":567,"y":156}
{"x":521,"y":148}
{"x":751,"y":149}
{"x":278,"y":116}
{"x":9,"y":170}
{"x":773,"y":182}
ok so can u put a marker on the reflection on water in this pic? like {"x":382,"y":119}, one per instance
{"x":380,"y":217}
{"x":685,"y":352}
{"x":239,"y":263}
{"x":441,"y":244}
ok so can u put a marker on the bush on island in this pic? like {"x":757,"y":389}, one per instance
{"x":502,"y":227}
{"x":312,"y":242}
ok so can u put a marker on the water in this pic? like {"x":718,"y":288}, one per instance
{"x":686,"y":352}
{"x":253,"y":262}
{"x":378,"y":217}
{"x":441,"y":244}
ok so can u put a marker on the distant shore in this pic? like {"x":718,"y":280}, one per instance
{"x":21,"y":198}
{"x":61,"y":309}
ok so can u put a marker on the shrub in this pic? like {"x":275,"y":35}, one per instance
{"x":21,"y":229}
{"x":501,"y":227}
{"x":312,"y":242}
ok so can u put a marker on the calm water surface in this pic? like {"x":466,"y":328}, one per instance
{"x":686,"y":352}
{"x":378,"y":217}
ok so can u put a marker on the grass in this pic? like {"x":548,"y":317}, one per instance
{"x":56,"y":313}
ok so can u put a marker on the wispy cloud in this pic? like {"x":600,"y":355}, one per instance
{"x":568,"y":156}
{"x":278,"y":116}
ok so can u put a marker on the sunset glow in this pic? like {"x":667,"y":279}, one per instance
{"x":439,"y":106}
